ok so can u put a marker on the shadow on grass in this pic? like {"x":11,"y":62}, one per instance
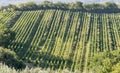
{"x":42,"y":59}
{"x":47,"y":60}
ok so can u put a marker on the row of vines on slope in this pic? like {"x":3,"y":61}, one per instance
{"x":59,"y":39}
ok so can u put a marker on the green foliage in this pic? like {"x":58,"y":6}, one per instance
{"x":111,"y":5}
{"x":47,"y":4}
{"x":79,"y":5}
{"x":6,"y":69}
{"x":105,"y":62}
{"x":10,"y":58}
{"x":94,"y":6}
{"x":116,"y":68}
{"x":31,"y":5}
{"x":21,"y":6}
{"x":11,"y":6}
{"x":6,"y":35}
{"x":76,"y":6}
{"x":60,"y":5}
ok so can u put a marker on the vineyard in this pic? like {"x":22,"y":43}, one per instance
{"x":60,"y":39}
{"x":5,"y":17}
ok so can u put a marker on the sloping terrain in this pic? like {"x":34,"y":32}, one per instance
{"x":59,"y":39}
{"x":5,"y":17}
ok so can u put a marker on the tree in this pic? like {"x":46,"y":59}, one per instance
{"x":98,"y":8}
{"x":11,"y":7}
{"x":21,"y":6}
{"x":6,"y":35}
{"x":60,"y":5}
{"x":46,"y":5}
{"x":79,"y":5}
{"x":111,"y":7}
{"x":10,"y":58}
{"x":94,"y":7}
{"x":31,"y":5}
{"x":76,"y":6}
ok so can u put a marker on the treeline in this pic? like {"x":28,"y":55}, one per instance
{"x":108,"y":7}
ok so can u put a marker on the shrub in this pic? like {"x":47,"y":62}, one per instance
{"x":10,"y":58}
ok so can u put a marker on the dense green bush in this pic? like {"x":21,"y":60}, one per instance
{"x":105,"y":62}
{"x":10,"y":58}
{"x":6,"y":35}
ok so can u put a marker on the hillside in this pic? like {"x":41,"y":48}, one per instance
{"x":6,"y":17}
{"x":60,"y":39}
